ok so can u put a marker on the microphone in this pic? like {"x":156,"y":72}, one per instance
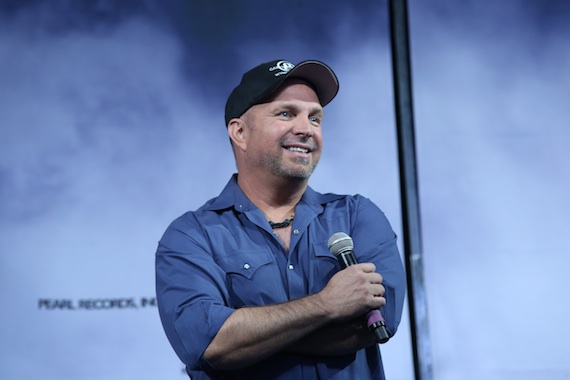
{"x":342,"y":246}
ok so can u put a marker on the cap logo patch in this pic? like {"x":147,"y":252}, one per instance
{"x":283,"y":66}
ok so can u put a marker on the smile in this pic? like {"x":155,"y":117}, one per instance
{"x":297,"y":149}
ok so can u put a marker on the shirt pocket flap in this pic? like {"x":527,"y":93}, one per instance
{"x":246,"y":263}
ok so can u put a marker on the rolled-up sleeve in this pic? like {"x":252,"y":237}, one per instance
{"x":375,"y":241}
{"x":191,"y":290}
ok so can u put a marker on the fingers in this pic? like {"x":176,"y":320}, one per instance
{"x":366,"y":267}
{"x":366,"y":273}
{"x":370,"y":269}
{"x":378,"y":295}
{"x":378,"y":290}
{"x":355,"y":290}
{"x":380,"y":301}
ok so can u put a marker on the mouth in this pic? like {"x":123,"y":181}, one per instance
{"x":298,"y":149}
{"x":302,"y":148}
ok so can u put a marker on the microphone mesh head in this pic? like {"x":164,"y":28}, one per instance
{"x":340,"y":242}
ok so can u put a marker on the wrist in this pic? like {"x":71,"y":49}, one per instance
{"x":319,"y":303}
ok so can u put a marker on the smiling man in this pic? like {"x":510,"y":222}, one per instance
{"x":289,"y":155}
{"x":246,"y":285}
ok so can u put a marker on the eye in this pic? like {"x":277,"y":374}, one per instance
{"x":315,"y":119}
{"x":286,"y":114}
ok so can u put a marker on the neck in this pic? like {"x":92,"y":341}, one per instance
{"x":275,"y":198}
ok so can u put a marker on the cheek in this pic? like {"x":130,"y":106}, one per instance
{"x":318,"y":138}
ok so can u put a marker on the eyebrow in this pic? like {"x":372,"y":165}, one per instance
{"x":317,"y":110}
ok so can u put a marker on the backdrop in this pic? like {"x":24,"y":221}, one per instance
{"x":111,"y":126}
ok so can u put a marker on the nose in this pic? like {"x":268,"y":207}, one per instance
{"x":303,"y":126}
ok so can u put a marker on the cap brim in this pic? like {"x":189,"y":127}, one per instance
{"x":320,"y":76}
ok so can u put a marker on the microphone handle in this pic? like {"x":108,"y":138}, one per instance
{"x":376,"y":324}
{"x":347,"y":259}
{"x":374,"y":318}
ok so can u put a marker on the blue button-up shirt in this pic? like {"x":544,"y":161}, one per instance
{"x":225,"y":256}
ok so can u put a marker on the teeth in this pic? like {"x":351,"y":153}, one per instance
{"x":295,"y":149}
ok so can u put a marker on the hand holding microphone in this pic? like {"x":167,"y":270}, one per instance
{"x":342,"y":246}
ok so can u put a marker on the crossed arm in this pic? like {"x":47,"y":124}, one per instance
{"x":325,"y":323}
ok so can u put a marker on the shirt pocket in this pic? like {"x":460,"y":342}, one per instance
{"x":246,"y":263}
{"x":253,"y":278}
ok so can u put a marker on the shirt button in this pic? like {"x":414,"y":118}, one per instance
{"x":246,"y":266}
{"x":296,"y":232}
{"x":291,"y":267}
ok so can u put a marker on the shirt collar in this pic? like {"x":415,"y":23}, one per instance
{"x":233,"y":196}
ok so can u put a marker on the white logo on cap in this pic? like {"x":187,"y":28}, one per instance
{"x":283,"y":66}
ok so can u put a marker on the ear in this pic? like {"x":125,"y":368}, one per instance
{"x":237,"y":133}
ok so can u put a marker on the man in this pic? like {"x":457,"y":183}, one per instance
{"x":246,"y":285}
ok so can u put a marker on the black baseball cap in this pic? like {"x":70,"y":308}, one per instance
{"x":258,"y":83}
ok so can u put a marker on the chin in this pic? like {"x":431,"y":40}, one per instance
{"x":302,"y":174}
{"x":300,"y":169}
